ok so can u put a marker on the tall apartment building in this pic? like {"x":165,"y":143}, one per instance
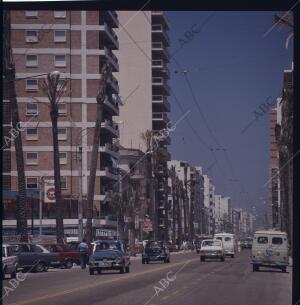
{"x":76,"y":43}
{"x":209,"y":204}
{"x":143,"y":76}
{"x":273,"y":210}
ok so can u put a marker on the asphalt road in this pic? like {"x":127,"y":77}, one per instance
{"x":185,"y":280}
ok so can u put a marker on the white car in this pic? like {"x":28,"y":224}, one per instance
{"x":212,"y":248}
{"x":9,"y":261}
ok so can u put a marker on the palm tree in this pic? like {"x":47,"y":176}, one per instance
{"x":180,"y":197}
{"x":54,"y":89}
{"x":148,"y":140}
{"x":106,"y":74}
{"x":9,"y":79}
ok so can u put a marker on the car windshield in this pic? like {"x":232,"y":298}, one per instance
{"x":107,"y":246}
{"x":154,"y":244}
{"x":211,"y":243}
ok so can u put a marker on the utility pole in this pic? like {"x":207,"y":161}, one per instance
{"x":80,"y":208}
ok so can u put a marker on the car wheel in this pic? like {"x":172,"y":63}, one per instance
{"x":40,"y":267}
{"x":99,"y":271}
{"x":165,"y":260}
{"x":46,"y":268}
{"x":127,"y":269}
{"x":69,"y":264}
{"x":222,"y":259}
{"x":122,"y":269}
{"x":91,"y":271}
{"x":143,"y":261}
{"x":202,"y":259}
{"x":283,"y":269}
{"x":198,"y":251}
{"x":147,"y":261}
{"x":169,"y":260}
{"x":255,"y":268}
{"x":232,"y":256}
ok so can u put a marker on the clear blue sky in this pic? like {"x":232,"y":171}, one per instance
{"x":232,"y":69}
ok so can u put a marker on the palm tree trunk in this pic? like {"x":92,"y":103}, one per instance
{"x":57,"y":178}
{"x":93,"y":169}
{"x":174,"y":210}
{"x":9,"y":74}
{"x":21,"y":202}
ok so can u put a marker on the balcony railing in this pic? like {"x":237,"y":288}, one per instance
{"x":158,"y":116}
{"x":161,"y":100}
{"x":159,"y":29}
{"x":159,"y":46}
{"x":160,"y":81}
{"x":111,"y":33}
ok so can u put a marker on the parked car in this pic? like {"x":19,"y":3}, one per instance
{"x":67,"y":255}
{"x":9,"y":261}
{"x":270,"y":249}
{"x":34,"y":257}
{"x":228,"y":243}
{"x":109,"y":255}
{"x":156,"y":251}
{"x":212,"y":248}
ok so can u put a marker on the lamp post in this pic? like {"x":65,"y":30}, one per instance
{"x":41,"y":207}
{"x":80,"y":207}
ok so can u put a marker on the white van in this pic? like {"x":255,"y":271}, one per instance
{"x":270,"y":249}
{"x":228,"y":243}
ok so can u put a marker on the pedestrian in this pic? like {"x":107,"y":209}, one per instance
{"x":83,"y":250}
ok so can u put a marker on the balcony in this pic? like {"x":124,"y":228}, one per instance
{"x":113,"y":83}
{"x":111,"y":18}
{"x":160,"y":84}
{"x":110,"y":149}
{"x":109,"y":172}
{"x":159,"y":49}
{"x":160,"y":103}
{"x":111,"y":128}
{"x":159,"y":17}
{"x":112,"y":105}
{"x":159,"y":34}
{"x":160,"y":117}
{"x":109,"y":36}
{"x":109,"y":56}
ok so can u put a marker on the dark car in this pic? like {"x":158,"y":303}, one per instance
{"x":33,"y":257}
{"x":67,"y":255}
{"x":156,"y":251}
{"x":109,"y":255}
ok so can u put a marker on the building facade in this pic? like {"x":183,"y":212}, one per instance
{"x":77,"y":44}
{"x":143,"y":76}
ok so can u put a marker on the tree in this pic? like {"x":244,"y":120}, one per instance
{"x":106,"y":74}
{"x":54,"y":89}
{"x":9,"y":79}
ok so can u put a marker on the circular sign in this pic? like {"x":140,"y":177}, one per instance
{"x":51,"y":193}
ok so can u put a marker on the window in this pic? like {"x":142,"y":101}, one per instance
{"x":63,"y":158}
{"x":32,"y":85}
{"x":31,"y":109}
{"x":227,"y":239}
{"x":62,"y":133}
{"x":32,"y":183}
{"x":31,"y":134}
{"x":31,"y":60}
{"x":59,"y":14}
{"x":31,"y":14}
{"x":32,"y":36}
{"x":60,"y":60}
{"x":61,"y":82}
{"x":60,"y":36}
{"x":62,"y":109}
{"x":277,"y":241}
{"x":63,"y":181}
{"x":32,"y":158}
{"x":262,"y":240}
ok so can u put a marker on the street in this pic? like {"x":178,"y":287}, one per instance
{"x":185,"y":280}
